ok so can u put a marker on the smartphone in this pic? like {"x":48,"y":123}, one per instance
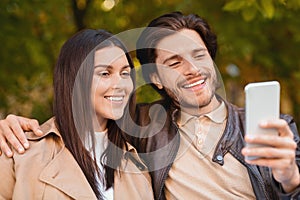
{"x":262,"y":103}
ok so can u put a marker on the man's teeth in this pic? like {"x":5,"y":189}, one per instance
{"x":115,"y":98}
{"x":193,"y":84}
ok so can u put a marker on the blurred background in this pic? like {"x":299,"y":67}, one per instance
{"x":259,"y":40}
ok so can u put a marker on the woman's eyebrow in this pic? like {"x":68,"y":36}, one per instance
{"x":109,"y":66}
{"x":103,"y":66}
{"x":126,"y":66}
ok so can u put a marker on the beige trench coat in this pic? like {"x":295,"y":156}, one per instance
{"x":48,"y":171}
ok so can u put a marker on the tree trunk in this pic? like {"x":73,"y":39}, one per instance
{"x":79,"y":13}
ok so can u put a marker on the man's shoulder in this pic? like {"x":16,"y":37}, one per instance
{"x":234,"y":108}
{"x":157,"y":112}
{"x":149,"y":104}
{"x":154,"y":107}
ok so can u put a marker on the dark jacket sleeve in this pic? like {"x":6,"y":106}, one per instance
{"x":296,"y":193}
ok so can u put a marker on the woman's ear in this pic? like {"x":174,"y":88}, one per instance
{"x":156,"y":80}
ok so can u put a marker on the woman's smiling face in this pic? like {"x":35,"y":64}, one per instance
{"x":111,"y":85}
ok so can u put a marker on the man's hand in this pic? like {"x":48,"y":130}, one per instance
{"x":279,"y":154}
{"x":12,"y":131}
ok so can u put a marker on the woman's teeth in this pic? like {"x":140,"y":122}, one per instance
{"x":115,"y":98}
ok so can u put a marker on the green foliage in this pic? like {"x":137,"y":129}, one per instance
{"x":261,"y":37}
{"x":31,"y":36}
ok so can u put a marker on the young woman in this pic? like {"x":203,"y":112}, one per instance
{"x":83,"y":154}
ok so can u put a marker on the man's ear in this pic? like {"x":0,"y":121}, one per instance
{"x":156,"y":80}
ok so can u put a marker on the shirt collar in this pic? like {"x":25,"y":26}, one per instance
{"x":218,"y":115}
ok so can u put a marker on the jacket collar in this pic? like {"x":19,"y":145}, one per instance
{"x":47,"y":128}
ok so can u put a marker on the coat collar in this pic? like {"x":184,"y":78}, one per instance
{"x":47,"y":128}
{"x":62,"y":171}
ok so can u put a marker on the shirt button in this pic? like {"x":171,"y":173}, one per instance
{"x":200,"y":141}
{"x":219,"y":158}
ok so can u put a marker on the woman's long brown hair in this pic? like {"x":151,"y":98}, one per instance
{"x":72,"y":104}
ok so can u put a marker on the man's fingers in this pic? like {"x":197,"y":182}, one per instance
{"x":272,"y":140}
{"x":12,"y":129}
{"x":274,"y":163}
{"x":30,"y":125}
{"x":4,"y":148}
{"x":6,"y":134}
{"x":269,"y":153}
{"x":33,"y":125}
{"x":19,"y":134}
{"x":14,"y":133}
{"x":21,"y":124}
{"x":279,"y":124}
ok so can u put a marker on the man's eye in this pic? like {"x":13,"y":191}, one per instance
{"x":200,"y":56}
{"x":173,"y":64}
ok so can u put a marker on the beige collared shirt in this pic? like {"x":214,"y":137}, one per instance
{"x":193,"y":174}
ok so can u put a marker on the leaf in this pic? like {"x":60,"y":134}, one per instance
{"x":268,"y":8}
{"x":235,"y":5}
{"x":283,"y":2}
{"x":249,"y":13}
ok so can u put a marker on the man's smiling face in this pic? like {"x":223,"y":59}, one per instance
{"x":186,"y":71}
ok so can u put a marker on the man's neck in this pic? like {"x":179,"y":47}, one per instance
{"x":213,"y":104}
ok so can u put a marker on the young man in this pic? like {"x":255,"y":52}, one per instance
{"x":193,"y":143}
{"x":199,"y":154}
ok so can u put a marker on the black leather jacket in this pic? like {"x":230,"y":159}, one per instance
{"x":160,"y":144}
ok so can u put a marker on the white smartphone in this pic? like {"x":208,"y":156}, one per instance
{"x":262,"y":103}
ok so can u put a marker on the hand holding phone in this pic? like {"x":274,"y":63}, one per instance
{"x":262,"y":103}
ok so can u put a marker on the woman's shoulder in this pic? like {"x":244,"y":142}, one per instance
{"x":48,"y":128}
{"x":132,"y":162}
{"x":41,"y":152}
{"x":132,"y":173}
{"x":42,"y":147}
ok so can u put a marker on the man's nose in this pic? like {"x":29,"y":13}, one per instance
{"x":190,"y":67}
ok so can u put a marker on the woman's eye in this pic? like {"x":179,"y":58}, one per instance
{"x":103,"y":74}
{"x":125,"y":74}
